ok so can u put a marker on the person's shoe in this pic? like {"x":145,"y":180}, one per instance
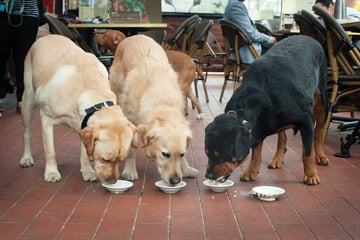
{"x":18,"y":107}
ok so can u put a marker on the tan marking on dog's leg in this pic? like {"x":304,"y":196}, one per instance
{"x":319,"y":115}
{"x":129,"y":172}
{"x":252,"y":171}
{"x":87,"y":171}
{"x":186,"y":170}
{"x":311,"y":176}
{"x":278,"y":159}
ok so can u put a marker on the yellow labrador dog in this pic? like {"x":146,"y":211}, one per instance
{"x":71,"y":87}
{"x":148,"y":92}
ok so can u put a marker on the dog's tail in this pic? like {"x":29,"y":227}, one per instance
{"x":199,"y":72}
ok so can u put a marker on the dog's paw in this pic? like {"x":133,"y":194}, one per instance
{"x":248,"y":176}
{"x":312,"y":180}
{"x":26,"y":162}
{"x":200,"y":116}
{"x":52,"y":176}
{"x":89,"y":176}
{"x":129,"y":175}
{"x":274,"y":163}
{"x":190,"y":172}
{"x":322,"y":161}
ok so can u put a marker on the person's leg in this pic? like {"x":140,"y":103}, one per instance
{"x":5,"y":43}
{"x":7,"y":77}
{"x":25,"y":36}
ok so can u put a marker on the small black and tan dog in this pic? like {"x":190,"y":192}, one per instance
{"x":285,"y":88}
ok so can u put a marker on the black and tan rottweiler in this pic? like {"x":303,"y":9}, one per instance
{"x":284,"y":88}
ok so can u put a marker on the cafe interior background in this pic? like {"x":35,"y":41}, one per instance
{"x":270,"y":12}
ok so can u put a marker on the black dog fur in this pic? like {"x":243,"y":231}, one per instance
{"x":279,"y":91}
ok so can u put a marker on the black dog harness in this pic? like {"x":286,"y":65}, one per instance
{"x":91,"y":110}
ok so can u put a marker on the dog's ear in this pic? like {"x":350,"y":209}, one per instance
{"x":242,"y":141}
{"x":240,"y":114}
{"x":119,"y":37}
{"x":135,"y":139}
{"x":145,"y":133}
{"x":88,"y":136}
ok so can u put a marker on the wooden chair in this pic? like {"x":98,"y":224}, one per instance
{"x":311,"y":26}
{"x":179,"y":37}
{"x":344,"y":60}
{"x":234,"y":38}
{"x":195,"y":47}
{"x":59,"y":27}
{"x":214,"y":56}
{"x":263,"y":29}
{"x":159,"y":35}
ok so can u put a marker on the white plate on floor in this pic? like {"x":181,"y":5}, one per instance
{"x":218,"y":186}
{"x":170,"y":188}
{"x":119,"y":187}
{"x":267,"y":193}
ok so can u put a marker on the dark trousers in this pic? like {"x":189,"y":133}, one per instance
{"x":16,"y":35}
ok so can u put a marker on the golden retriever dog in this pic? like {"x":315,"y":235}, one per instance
{"x":183,"y":65}
{"x":71,"y":87}
{"x":149,"y":94}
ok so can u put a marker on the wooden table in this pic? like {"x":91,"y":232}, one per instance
{"x":127,"y":28}
{"x":353,"y":26}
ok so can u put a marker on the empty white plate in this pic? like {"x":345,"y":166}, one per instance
{"x":267,"y":193}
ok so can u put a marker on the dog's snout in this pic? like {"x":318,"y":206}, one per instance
{"x":210,"y":175}
{"x":111,"y":180}
{"x":174,"y":180}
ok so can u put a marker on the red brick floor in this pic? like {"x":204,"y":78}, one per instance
{"x":73,"y":209}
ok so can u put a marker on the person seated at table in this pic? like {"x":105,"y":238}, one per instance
{"x":328,"y":5}
{"x":351,"y":12}
{"x":237,"y":12}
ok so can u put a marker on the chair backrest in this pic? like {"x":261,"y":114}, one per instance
{"x":263,"y":29}
{"x":319,"y":27}
{"x":234,"y":38}
{"x":158,"y":35}
{"x":340,"y":38}
{"x":58,"y":27}
{"x":311,"y":26}
{"x":339,"y":45}
{"x":181,"y":33}
{"x":213,"y":46}
{"x":198,"y":38}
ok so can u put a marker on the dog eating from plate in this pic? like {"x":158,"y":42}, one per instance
{"x":71,"y":87}
{"x":147,"y":89}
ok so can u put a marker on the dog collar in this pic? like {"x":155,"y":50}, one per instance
{"x":91,"y":110}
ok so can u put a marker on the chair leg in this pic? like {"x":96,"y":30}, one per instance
{"x":195,"y":87}
{"x":223,"y":88}
{"x":205,"y":89}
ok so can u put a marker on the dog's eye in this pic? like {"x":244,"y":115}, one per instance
{"x":105,"y":160}
{"x":182,"y":154}
{"x":165,"y":155}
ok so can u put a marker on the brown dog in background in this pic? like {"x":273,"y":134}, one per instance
{"x":183,"y":65}
{"x":109,"y":40}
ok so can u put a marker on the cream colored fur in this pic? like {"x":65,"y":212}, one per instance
{"x":63,"y":81}
{"x":148,"y":91}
